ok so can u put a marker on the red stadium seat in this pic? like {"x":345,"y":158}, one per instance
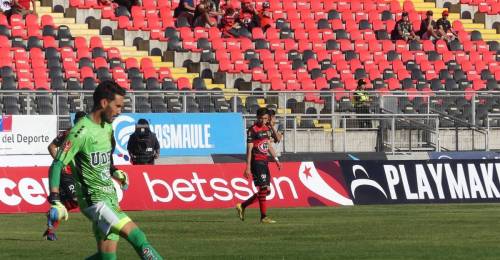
{"x":47,"y":20}
{"x":100,"y":62}
{"x":87,"y":72}
{"x":183,"y":83}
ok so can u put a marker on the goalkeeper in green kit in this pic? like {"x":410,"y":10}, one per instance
{"x":87,"y":149}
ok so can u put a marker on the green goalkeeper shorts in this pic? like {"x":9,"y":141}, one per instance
{"x":107,"y":220}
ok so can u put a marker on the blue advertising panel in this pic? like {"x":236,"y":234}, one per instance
{"x":185,"y":134}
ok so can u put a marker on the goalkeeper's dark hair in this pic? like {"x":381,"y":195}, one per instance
{"x":262,"y":111}
{"x":107,"y":89}
{"x":79,"y":115}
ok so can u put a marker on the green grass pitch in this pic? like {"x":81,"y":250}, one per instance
{"x":459,"y":231}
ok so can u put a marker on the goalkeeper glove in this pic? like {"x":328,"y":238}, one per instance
{"x":57,"y":210}
{"x":122,"y":177}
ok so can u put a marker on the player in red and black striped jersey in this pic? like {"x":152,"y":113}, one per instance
{"x":258,"y":150}
{"x":67,"y":186}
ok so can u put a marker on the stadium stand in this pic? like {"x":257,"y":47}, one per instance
{"x":318,"y":46}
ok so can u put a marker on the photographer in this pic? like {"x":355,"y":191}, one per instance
{"x":143,"y":146}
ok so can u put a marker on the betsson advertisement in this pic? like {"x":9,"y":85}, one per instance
{"x":297,"y":184}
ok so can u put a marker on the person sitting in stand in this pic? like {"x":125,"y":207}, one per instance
{"x":249,"y":17}
{"x":444,"y":29}
{"x":186,"y":9}
{"x":403,"y":29}
{"x":265,"y":16}
{"x":229,"y":26}
{"x":22,"y":7}
{"x":204,"y":15}
{"x":428,"y":28}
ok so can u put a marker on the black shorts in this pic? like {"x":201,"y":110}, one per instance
{"x":67,"y":188}
{"x":260,"y":173}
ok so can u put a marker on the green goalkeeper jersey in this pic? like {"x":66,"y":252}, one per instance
{"x":88,"y":149}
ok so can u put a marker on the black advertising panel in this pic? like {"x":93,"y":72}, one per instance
{"x":434,"y":181}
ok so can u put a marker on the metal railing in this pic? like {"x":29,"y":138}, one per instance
{"x":357,"y":132}
{"x":492,"y":122}
{"x":311,"y":107}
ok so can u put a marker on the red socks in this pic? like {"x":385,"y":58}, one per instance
{"x":262,"y":203}
{"x":261,"y":196}
{"x":249,"y":201}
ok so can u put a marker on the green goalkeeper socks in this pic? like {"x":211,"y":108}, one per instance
{"x":108,"y":256}
{"x":141,"y":245}
{"x":102,"y":256}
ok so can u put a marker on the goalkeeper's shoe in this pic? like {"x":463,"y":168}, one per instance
{"x":49,"y":235}
{"x":240,"y":211}
{"x":267,"y":220}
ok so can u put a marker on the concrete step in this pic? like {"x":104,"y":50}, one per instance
{"x":113,"y":43}
{"x":212,"y":86}
{"x":473,"y":26}
{"x":424,"y":6}
{"x":491,"y":37}
{"x":162,"y":64}
{"x":466,"y":21}
{"x":190,"y":76}
{"x":103,"y":37}
{"x":126,"y":49}
{"x":143,"y":55}
{"x":54,"y":15}
{"x":180,"y":70}
{"x":93,"y":32}
{"x":65,"y":21}
{"x":487,"y":31}
{"x":136,"y":54}
{"x":75,"y":26}
{"x":43,"y":9}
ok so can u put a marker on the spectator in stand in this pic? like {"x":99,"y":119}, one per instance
{"x":205,"y":15}
{"x":362,"y":104}
{"x":428,"y":28}
{"x":126,"y":3}
{"x":444,"y":29}
{"x":22,"y":7}
{"x":249,"y":17}
{"x":105,"y":2}
{"x":186,"y":8}
{"x":265,"y":16}
{"x":403,"y":29}
{"x":229,"y":26}
{"x":5,"y":7}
